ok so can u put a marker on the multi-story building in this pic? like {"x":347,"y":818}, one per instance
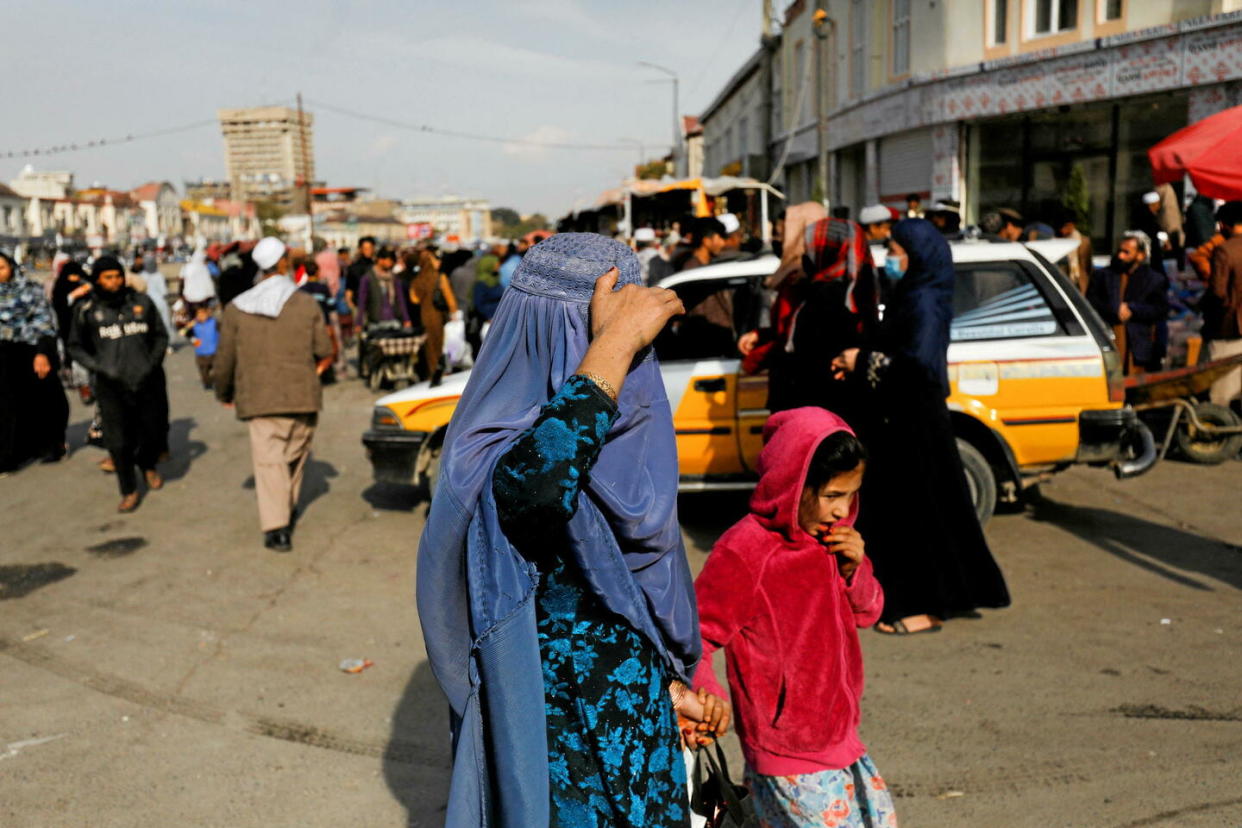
{"x":41,"y":190}
{"x":1001,"y":102}
{"x":989,"y":102}
{"x":161,"y":209}
{"x":12,"y":214}
{"x":735,"y":123}
{"x":269,"y":154}
{"x":51,"y":185}
{"x":452,"y":218}
{"x":100,"y":216}
{"x":692,"y":138}
{"x":330,"y":199}
{"x":209,"y":221}
{"x":207,"y":189}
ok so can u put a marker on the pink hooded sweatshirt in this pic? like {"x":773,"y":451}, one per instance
{"x":772,"y":596}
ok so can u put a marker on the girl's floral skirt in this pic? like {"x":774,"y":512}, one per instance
{"x":853,"y":797}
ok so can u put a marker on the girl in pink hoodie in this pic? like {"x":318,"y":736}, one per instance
{"x":784,"y":591}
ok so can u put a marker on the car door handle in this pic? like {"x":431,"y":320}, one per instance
{"x":710,"y":386}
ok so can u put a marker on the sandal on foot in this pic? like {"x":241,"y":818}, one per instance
{"x":128,"y":503}
{"x":899,"y":627}
{"x":154,"y":481}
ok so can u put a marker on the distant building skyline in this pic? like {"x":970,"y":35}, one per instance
{"x":268,"y":153}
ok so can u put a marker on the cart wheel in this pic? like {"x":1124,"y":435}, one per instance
{"x":980,"y":479}
{"x":1203,"y":448}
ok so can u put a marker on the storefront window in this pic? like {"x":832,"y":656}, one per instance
{"x":1142,"y":124}
{"x":1093,"y":157}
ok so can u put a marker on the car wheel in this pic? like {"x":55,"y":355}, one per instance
{"x":980,"y":479}
{"x":1203,"y":448}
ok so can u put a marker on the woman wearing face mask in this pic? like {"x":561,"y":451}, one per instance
{"x":934,"y":562}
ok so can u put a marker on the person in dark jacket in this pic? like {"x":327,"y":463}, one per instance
{"x":358,"y":270}
{"x":237,"y":276}
{"x":33,"y":408}
{"x":381,"y":295}
{"x":1133,"y":298}
{"x":71,"y":284}
{"x":1200,"y":221}
{"x":117,"y":333}
{"x":922,"y":532}
{"x":487,"y":291}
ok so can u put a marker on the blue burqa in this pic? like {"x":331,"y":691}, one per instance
{"x":476,"y":593}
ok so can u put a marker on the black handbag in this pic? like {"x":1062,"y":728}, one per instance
{"x":438,"y":301}
{"x":715,"y":797}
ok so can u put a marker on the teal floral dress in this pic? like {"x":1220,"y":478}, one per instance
{"x":614,"y":754}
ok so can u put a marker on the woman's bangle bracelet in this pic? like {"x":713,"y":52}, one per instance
{"x":601,"y":383}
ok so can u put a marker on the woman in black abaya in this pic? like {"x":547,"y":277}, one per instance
{"x":922,"y":534}
{"x":33,"y":408}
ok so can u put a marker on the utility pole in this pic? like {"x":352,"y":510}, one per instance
{"x":677,"y":153}
{"x":306,"y":184}
{"x":821,"y":23}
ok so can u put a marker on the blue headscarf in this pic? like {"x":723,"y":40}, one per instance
{"x":916,"y":324}
{"x":476,"y":592}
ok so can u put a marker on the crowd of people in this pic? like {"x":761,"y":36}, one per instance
{"x":556,"y":605}
{"x":1164,"y":290}
{"x":558,"y":609}
{"x":104,"y":327}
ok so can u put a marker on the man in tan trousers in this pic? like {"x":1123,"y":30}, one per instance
{"x":273,"y":347}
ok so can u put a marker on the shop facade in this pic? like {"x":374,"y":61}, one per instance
{"x":1023,"y":131}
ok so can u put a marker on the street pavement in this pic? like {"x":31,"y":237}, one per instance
{"x":162,"y":668}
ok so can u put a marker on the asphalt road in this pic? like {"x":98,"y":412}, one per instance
{"x":162,"y":668}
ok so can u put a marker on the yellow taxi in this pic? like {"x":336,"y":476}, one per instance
{"x":1036,"y":382}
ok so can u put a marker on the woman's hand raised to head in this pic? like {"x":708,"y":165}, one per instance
{"x":623,"y":322}
{"x":633,"y":316}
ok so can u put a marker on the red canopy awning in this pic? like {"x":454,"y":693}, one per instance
{"x":1208,"y":151}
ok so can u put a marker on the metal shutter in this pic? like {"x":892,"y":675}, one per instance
{"x":905,"y":164}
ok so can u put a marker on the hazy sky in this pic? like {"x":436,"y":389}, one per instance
{"x":548,"y":70}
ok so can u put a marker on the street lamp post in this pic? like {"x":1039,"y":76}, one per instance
{"x":821,"y":22}
{"x":676,"y":108}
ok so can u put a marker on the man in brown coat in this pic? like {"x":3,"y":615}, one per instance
{"x":1226,"y":288}
{"x":273,"y":347}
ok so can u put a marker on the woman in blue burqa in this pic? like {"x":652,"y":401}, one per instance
{"x":556,"y":602}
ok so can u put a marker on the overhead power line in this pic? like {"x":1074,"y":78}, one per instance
{"x":471,"y":136}
{"x":95,"y":143}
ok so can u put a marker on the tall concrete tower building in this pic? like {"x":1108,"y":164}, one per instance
{"x":263,"y":153}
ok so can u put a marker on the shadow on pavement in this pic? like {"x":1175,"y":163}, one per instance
{"x":417,"y":757}
{"x":315,"y":482}
{"x":393,"y":497}
{"x":75,"y":436}
{"x":1124,"y":535}
{"x":182,"y":449}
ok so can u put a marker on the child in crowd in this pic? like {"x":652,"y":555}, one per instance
{"x":784,"y":591}
{"x":327,"y":306}
{"x":204,"y":333}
